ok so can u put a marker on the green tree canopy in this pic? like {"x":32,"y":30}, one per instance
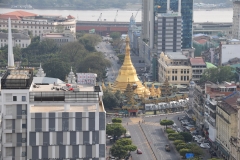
{"x":122,"y":147}
{"x":109,"y":99}
{"x":166,"y":122}
{"x":115,"y":130}
{"x":187,"y":136}
{"x":115,"y":35}
{"x":219,"y":74}
{"x":116,"y":120}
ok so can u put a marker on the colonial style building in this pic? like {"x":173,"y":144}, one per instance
{"x":175,"y":67}
{"x":21,"y":39}
{"x":227,"y":126}
{"x":37,"y":24}
{"x":60,"y":38}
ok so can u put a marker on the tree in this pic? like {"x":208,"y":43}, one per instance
{"x":56,"y":68}
{"x":184,"y":151}
{"x":115,"y":130}
{"x":176,"y":142}
{"x":121,"y":58}
{"x":122,"y":147}
{"x":115,"y":35}
{"x":109,"y":100}
{"x":166,"y":122}
{"x":180,"y":146}
{"x":88,"y":64}
{"x":187,"y":136}
{"x":90,"y":41}
{"x":220,"y":74}
{"x":116,"y":120}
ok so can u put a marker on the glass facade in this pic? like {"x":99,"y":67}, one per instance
{"x":187,"y":17}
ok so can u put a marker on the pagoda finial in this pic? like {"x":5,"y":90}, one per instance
{"x":40,"y":65}
{"x":71,"y":68}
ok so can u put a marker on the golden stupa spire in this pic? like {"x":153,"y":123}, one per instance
{"x":158,"y":91}
{"x":103,"y":85}
{"x":128,"y":75}
{"x":152,"y":90}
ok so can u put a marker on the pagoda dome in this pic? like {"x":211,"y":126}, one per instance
{"x":128,"y":75}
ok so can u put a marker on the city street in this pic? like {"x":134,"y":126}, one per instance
{"x":106,"y":48}
{"x":150,"y":138}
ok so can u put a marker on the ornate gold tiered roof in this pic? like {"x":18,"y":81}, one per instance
{"x":128,"y":75}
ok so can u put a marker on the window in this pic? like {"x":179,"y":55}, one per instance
{"x":24,"y":112}
{"x":24,"y":154}
{"x":175,"y":71}
{"x":188,"y":71}
{"x":175,"y":78}
{"x":182,"y":71}
{"x":23,"y":140}
{"x":24,"y":125}
{"x":172,"y":78}
{"x":14,"y":98}
{"x":24,"y":98}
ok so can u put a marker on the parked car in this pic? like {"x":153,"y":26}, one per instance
{"x":205,"y":145}
{"x":179,"y":130}
{"x":174,"y":125}
{"x":167,"y":148}
{"x":139,"y":151}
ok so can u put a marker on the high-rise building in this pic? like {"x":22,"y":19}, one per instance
{"x":187,"y":17}
{"x":47,"y":119}
{"x":236,"y":19}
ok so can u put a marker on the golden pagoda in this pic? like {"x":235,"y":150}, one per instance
{"x":128,"y":75}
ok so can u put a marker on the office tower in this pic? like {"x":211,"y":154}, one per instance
{"x":145,"y":19}
{"x":236,"y":19}
{"x":187,"y":17}
{"x":169,"y":30}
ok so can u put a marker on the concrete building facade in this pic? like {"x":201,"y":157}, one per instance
{"x":37,"y":24}
{"x":21,"y":39}
{"x":198,"y":67}
{"x":236,"y":20}
{"x":60,"y":38}
{"x":175,"y":67}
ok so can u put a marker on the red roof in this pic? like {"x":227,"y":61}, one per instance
{"x":197,"y":61}
{"x":70,"y":17}
{"x":13,"y":17}
{"x":201,"y":41}
{"x":21,"y":14}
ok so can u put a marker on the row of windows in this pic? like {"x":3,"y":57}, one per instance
{"x":23,"y":98}
{"x":61,"y":40}
{"x":183,"y":78}
{"x":19,"y":45}
{"x":27,"y":27}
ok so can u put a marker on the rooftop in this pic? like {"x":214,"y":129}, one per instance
{"x":198,"y":61}
{"x":210,"y":65}
{"x":19,"y":35}
{"x":20,"y":14}
{"x":60,"y":108}
{"x":62,"y":87}
{"x":176,"y":55}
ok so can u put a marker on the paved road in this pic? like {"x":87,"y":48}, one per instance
{"x":106,"y":48}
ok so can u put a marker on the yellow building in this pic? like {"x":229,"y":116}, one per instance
{"x":175,"y":67}
{"x":226,"y":124}
{"x":128,"y":75}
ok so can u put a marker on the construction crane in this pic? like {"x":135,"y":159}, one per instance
{"x":100,"y":17}
{"x":137,"y":12}
{"x":115,"y":19}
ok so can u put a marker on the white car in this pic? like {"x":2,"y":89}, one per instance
{"x":205,"y":145}
{"x":179,"y":130}
{"x":174,"y":125}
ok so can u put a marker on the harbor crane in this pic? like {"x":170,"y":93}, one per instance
{"x":100,"y":17}
{"x":115,"y":19}
{"x":137,"y":13}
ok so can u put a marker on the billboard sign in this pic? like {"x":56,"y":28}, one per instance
{"x":86,"y":78}
{"x":189,"y":155}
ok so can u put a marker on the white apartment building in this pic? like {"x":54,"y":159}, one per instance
{"x":45,"y":118}
{"x":60,"y":38}
{"x":37,"y":24}
{"x":21,"y":39}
